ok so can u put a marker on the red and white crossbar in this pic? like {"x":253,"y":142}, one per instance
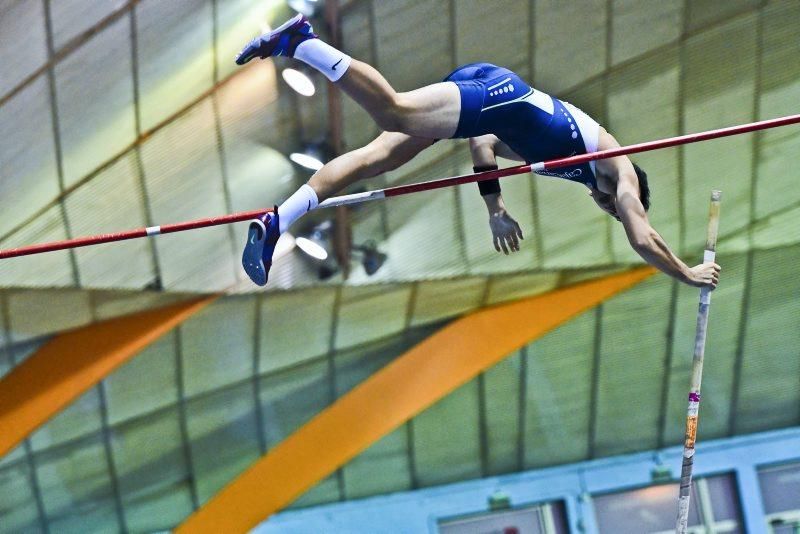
{"x":358,"y":198}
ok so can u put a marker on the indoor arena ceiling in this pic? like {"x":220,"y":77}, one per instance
{"x":120,"y":114}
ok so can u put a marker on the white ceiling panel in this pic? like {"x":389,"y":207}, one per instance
{"x":439,"y":299}
{"x":279,"y":344}
{"x":218,"y":345}
{"x":24,"y":47}
{"x":175,"y":54}
{"x":184,"y":181}
{"x":404,"y":63}
{"x":359,"y":41}
{"x":36,"y":313}
{"x":514,"y":287}
{"x":94,"y":86}
{"x":53,"y":269}
{"x":112,"y":202}
{"x":780,"y":85}
{"x":705,"y":12}
{"x":634,"y":116}
{"x":129,"y":397}
{"x":257,"y":174}
{"x":715,"y":89}
{"x":474,"y":42}
{"x":634,"y":31}
{"x":367,"y":314}
{"x":70,"y":18}
{"x":28,"y":175}
{"x":564,"y":36}
{"x":238,"y":21}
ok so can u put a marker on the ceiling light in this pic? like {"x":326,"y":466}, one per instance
{"x":309,"y":8}
{"x":313,"y":249}
{"x":305,"y":160}
{"x":298,"y":81}
{"x":285,"y":245}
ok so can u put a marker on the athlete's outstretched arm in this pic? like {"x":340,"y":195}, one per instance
{"x":647,"y":242}
{"x":506,"y":232}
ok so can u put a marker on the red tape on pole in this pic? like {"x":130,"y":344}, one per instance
{"x":406,"y":189}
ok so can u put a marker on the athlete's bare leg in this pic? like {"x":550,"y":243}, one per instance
{"x":412,"y":121}
{"x":431,"y":111}
{"x":387,"y":152}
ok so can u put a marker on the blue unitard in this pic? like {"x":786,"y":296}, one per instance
{"x":535,"y":125}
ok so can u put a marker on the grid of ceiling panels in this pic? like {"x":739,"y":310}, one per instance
{"x":140,"y":451}
{"x":164,"y":433}
{"x":677,"y":78}
{"x":132,"y":113}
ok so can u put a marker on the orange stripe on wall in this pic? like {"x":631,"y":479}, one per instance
{"x":71,"y":363}
{"x":412,"y":382}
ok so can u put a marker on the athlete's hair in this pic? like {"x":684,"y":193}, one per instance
{"x":644,"y":189}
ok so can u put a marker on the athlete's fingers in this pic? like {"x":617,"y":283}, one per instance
{"x":510,"y":244}
{"x":519,"y":230}
{"x":514,"y":241}
{"x":503,"y":246}
{"x":496,"y":241}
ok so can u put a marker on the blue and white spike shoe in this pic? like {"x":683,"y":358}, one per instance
{"x":282,"y":41}
{"x":262,"y":236}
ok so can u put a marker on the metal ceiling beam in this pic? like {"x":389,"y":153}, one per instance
{"x":654,"y":52}
{"x":30,"y":461}
{"x":331,"y":373}
{"x":105,"y":429}
{"x":55,"y":123}
{"x":538,"y":235}
{"x":604,"y":85}
{"x":410,"y":449}
{"x":222,"y":154}
{"x":410,"y":384}
{"x":594,"y":392}
{"x":522,"y":407}
{"x":186,"y":447}
{"x":343,"y":231}
{"x":137,"y":121}
{"x":666,"y":370}
{"x":258,"y":410}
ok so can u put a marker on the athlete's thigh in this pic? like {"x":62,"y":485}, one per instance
{"x":392,"y":149}
{"x":432,"y":111}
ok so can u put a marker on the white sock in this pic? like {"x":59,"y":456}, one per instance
{"x":323,"y":57}
{"x":301,"y":202}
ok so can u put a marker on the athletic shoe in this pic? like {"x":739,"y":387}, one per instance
{"x":281,"y":41}
{"x":261,"y":238}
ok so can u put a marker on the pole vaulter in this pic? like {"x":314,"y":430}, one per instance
{"x":389,"y":192}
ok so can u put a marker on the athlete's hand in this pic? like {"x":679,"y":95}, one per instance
{"x":506,"y":232}
{"x":705,"y":274}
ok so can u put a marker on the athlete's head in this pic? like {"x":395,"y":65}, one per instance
{"x":644,"y":189}
{"x":608,"y":203}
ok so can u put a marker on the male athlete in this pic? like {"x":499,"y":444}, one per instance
{"x":499,"y":113}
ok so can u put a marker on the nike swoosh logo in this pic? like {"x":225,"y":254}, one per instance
{"x":253,"y":240}
{"x":334,"y":65}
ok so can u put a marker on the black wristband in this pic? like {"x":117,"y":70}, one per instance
{"x":488,"y":187}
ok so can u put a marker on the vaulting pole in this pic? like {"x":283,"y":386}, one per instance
{"x":358,"y":198}
{"x":697,"y":371}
